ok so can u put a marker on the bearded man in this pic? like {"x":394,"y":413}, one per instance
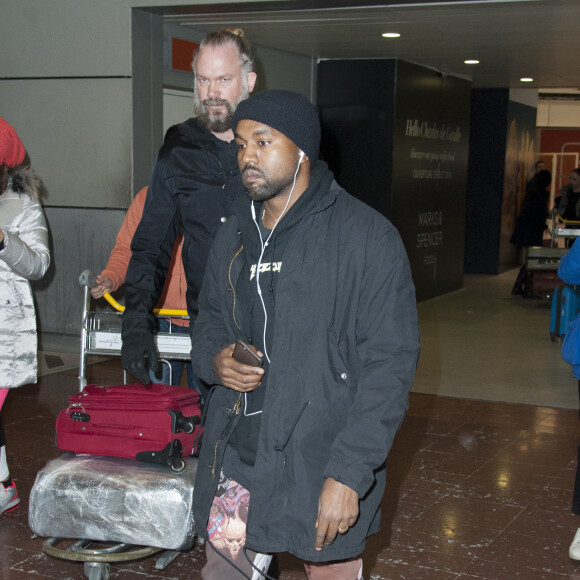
{"x":194,"y":181}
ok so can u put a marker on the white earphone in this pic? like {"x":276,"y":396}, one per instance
{"x":264,"y":244}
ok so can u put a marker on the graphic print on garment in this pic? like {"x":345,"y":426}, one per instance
{"x":226,"y":529}
{"x":265,"y":267}
{"x":226,"y":526}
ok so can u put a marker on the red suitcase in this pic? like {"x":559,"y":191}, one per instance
{"x":154,"y":423}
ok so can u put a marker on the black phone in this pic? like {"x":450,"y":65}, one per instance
{"x":243,"y":353}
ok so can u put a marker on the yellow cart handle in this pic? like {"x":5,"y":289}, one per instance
{"x":560,"y":219}
{"x":157,"y":311}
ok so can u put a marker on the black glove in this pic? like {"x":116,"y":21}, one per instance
{"x":139,"y":354}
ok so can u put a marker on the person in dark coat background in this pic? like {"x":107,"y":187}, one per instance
{"x":293,"y":456}
{"x":569,"y":199}
{"x":531,"y":222}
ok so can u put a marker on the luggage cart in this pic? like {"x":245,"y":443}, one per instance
{"x":101,"y":332}
{"x":101,"y":335}
{"x":561,"y":228}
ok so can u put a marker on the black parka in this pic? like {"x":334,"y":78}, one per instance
{"x":193,"y":184}
{"x":344,"y":355}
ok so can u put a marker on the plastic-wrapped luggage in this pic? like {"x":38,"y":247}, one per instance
{"x":114,"y":500}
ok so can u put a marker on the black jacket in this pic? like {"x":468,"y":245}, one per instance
{"x":343,"y":359}
{"x":193,"y":184}
{"x":531,"y":223}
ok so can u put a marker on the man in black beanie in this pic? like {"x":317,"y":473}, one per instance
{"x":318,"y":287}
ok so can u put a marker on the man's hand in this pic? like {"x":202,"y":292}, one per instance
{"x":235,"y":375}
{"x":104,"y":284}
{"x":138,"y":355}
{"x":337,"y":512}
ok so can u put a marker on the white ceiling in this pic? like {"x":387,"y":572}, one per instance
{"x":511,"y":38}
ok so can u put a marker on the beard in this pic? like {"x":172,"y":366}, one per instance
{"x":269,"y":189}
{"x":216,"y":123}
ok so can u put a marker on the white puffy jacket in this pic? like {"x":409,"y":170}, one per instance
{"x":25,"y":257}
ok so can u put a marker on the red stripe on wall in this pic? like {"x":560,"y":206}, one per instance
{"x":182,"y":54}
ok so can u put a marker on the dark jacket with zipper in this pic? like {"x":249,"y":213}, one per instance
{"x":343,"y":358}
{"x":193,"y":184}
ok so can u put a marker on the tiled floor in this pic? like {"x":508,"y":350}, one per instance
{"x":478,"y":490}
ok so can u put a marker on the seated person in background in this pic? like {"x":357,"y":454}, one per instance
{"x":569,"y":205}
{"x":531,"y":222}
{"x":173,"y":296}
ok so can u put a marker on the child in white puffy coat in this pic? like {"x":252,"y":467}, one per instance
{"x":24,"y":256}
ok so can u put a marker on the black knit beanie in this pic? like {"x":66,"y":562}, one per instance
{"x":287,"y":112}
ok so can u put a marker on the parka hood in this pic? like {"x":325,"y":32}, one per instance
{"x":24,"y":180}
{"x":318,"y":195}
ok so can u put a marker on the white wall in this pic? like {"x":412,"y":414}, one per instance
{"x":525,"y":96}
{"x":93,"y":123}
{"x":558,"y":113}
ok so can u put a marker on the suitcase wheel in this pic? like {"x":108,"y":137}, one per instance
{"x":177,"y":465}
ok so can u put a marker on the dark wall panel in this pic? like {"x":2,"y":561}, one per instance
{"x":396,"y":136}
{"x":486,"y":172}
{"x":431,"y":148}
{"x":357,"y":126}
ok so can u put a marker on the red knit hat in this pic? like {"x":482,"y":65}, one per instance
{"x":12,"y":150}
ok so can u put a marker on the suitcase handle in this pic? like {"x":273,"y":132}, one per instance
{"x":75,"y":406}
{"x":180,"y":423}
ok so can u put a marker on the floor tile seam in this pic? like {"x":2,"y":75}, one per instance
{"x":508,"y":502}
{"x":20,"y":565}
{"x":463,"y":453}
{"x":496,"y":532}
{"x":519,"y":439}
{"x":29,"y":551}
{"x":491,"y":504}
{"x":486,"y":462}
{"x":26,"y":420}
{"x":496,"y":455}
{"x":522,"y":510}
{"x":471,"y":561}
{"x":535,"y":464}
{"x":527,"y":566}
{"x":120,"y":572}
{"x":411,"y":520}
{"x":518,"y":464}
{"x":400,"y":562}
{"x":469,"y":576}
{"x":563,"y":546}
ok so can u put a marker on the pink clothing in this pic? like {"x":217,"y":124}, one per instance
{"x":3,"y":394}
{"x":173,"y":295}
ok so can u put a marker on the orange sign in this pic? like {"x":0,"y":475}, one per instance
{"x":182,"y":54}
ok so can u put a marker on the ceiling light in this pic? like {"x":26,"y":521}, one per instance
{"x":471,"y":61}
{"x":390,"y":35}
{"x":527,"y":80}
